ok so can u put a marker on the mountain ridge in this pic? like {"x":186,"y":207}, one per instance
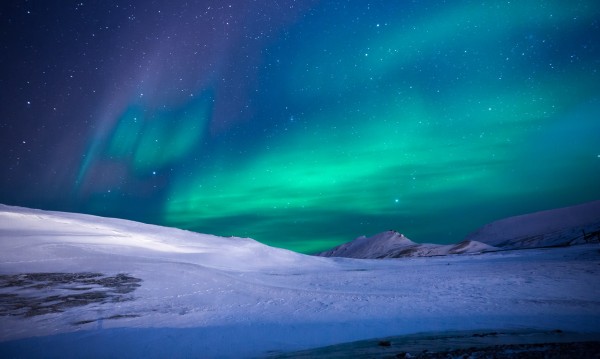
{"x":564,"y":226}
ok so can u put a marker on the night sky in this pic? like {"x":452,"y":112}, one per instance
{"x":301,"y":124}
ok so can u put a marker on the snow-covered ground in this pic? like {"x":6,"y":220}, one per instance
{"x":81,"y":286}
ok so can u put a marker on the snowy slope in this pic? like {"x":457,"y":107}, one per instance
{"x":391,"y":244}
{"x":557,"y":227}
{"x":82,"y":286}
{"x":80,"y":234}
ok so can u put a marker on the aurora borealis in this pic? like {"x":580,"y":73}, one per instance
{"x":301,"y":124}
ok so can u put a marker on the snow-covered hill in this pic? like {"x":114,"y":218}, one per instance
{"x":558,"y":227}
{"x":391,"y":244}
{"x":75,"y":286}
{"x":55,"y":235}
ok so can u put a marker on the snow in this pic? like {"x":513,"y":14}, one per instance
{"x":207,"y":296}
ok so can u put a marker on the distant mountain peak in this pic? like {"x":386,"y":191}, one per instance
{"x":392,"y":244}
{"x":370,"y":247}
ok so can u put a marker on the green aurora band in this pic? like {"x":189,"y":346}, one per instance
{"x":431,"y":123}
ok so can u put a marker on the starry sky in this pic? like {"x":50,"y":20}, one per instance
{"x":301,"y":124}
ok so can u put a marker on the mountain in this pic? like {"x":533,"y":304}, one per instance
{"x":377,"y":246}
{"x":557,"y":227}
{"x":391,"y":244}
